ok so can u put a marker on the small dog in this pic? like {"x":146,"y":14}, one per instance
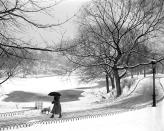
{"x":46,"y":110}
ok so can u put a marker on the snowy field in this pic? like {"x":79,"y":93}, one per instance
{"x":43,"y":86}
{"x":148,"y":119}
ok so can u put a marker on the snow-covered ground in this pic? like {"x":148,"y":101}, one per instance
{"x":45,"y":85}
{"x":42,"y":86}
{"x":147,"y":119}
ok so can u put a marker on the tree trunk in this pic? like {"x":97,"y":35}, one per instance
{"x":107,"y":83}
{"x":157,"y":68}
{"x":144,"y":71}
{"x":162,"y":70}
{"x":117,"y":82}
{"x":112,"y":81}
{"x":131,"y":73}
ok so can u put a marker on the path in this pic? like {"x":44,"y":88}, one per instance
{"x":146,"y":119}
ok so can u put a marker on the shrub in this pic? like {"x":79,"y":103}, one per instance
{"x":127,"y":82}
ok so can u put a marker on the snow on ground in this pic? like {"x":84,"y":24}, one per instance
{"x":147,"y":119}
{"x":45,"y":85}
{"x":92,"y":98}
{"x":42,"y":86}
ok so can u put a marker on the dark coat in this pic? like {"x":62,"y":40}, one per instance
{"x":57,"y":107}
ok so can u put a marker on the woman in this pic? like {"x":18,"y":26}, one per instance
{"x":57,"y":107}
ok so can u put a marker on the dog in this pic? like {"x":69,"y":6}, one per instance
{"x":46,"y":110}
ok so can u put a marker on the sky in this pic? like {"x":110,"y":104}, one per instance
{"x":61,"y":12}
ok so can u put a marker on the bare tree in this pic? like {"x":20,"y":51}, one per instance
{"x":15,"y":15}
{"x":112,"y":33}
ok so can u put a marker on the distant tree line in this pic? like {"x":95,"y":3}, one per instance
{"x":42,"y":63}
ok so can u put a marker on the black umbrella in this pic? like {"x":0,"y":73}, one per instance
{"x":54,"y":94}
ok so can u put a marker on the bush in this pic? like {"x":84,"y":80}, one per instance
{"x":127,"y":82}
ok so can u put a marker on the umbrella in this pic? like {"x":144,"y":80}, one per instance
{"x":54,"y":94}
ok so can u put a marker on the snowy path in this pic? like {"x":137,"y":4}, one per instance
{"x":141,"y":96}
{"x":147,"y":119}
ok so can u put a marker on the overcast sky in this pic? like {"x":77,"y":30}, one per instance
{"x":61,"y":12}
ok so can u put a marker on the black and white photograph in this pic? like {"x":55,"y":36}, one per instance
{"x":81,"y":65}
